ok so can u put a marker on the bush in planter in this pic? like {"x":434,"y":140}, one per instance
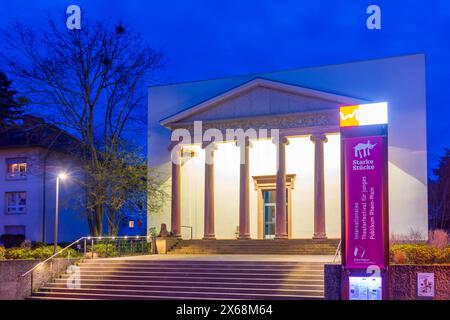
{"x":18,"y":253}
{"x":39,"y":253}
{"x":399,"y":257}
{"x":42,"y":253}
{"x":2,"y":252}
{"x":105,"y":250}
{"x":438,"y":239}
{"x":444,"y":256}
{"x":422,"y":254}
{"x":419,"y":254}
{"x":12,"y":240}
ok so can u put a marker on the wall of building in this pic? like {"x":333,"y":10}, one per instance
{"x":31,"y":219}
{"x":299,"y":161}
{"x":72,"y":223}
{"x":400,"y":81}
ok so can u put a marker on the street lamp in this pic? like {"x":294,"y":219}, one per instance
{"x":61,"y":176}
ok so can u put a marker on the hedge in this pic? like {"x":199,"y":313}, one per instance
{"x":419,"y":254}
{"x":39,"y":253}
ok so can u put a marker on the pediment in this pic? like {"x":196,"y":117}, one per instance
{"x":257,"y":98}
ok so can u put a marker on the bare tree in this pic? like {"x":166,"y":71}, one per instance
{"x":92,"y":82}
{"x":439,"y":194}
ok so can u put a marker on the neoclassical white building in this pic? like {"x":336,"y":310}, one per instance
{"x":226,"y":198}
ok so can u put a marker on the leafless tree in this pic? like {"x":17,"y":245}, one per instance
{"x":93,"y":83}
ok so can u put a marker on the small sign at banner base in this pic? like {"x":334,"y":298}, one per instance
{"x":425,"y":285}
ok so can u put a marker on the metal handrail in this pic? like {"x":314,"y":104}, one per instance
{"x":190,"y":227}
{"x":51,"y":257}
{"x":77,"y":241}
{"x":337,"y":250}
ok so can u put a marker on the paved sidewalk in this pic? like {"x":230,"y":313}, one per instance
{"x":232,"y":257}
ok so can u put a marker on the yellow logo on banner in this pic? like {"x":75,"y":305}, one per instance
{"x":349,"y":116}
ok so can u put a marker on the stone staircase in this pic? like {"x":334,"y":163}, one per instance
{"x":292,"y":246}
{"x":143,"y":278}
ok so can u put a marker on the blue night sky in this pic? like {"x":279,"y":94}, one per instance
{"x":211,"y":39}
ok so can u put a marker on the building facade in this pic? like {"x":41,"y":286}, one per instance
{"x":31,"y":157}
{"x":285,"y":182}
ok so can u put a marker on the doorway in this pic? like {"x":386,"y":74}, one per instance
{"x":270,"y":202}
{"x":265,"y":187}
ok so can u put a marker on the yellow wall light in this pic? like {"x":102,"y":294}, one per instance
{"x":364,"y":114}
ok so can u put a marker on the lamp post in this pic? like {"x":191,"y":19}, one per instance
{"x":60,"y":177}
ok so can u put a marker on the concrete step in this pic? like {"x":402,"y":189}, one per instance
{"x":228,"y":252}
{"x":223,"y":288}
{"x":201,"y":278}
{"x":224,"y":269}
{"x":187,"y":296}
{"x":195,"y":266}
{"x":249,"y":294}
{"x":146,"y":260}
{"x":190,"y":279}
{"x":249,"y":283}
{"x":203,"y":274}
{"x":264,"y":241}
{"x":273,"y":247}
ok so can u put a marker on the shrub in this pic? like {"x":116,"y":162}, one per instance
{"x":438,"y":239}
{"x":12,"y":240}
{"x":39,"y":253}
{"x":419,"y":254}
{"x":105,"y":250}
{"x":399,"y":257}
{"x":413,"y":236}
{"x":18,"y":253}
{"x":2,"y":252}
{"x":39,"y":244}
{"x":26,"y":244}
{"x":42,"y":253}
{"x":444,"y":256}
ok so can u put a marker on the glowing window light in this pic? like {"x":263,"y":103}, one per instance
{"x":364,"y":114}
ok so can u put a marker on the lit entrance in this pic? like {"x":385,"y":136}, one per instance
{"x":265,"y":187}
{"x":270,"y":201}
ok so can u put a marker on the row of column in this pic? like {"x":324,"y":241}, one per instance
{"x":244,"y":190}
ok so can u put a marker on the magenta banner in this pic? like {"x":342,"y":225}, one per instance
{"x":364,"y":202}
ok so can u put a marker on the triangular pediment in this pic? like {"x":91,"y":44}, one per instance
{"x":260,"y":97}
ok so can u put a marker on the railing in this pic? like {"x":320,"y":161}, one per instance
{"x":189,"y":227}
{"x":337,"y":251}
{"x":104,"y":247}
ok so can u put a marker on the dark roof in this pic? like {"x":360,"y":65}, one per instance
{"x":35,"y":132}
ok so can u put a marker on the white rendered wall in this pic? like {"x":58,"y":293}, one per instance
{"x":72,"y":222}
{"x":400,"y":81}
{"x":299,"y":161}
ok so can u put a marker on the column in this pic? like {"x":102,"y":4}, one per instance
{"x":280,"y":227}
{"x":209,"y":233}
{"x":244,"y":190}
{"x":319,"y":186}
{"x":176,"y":190}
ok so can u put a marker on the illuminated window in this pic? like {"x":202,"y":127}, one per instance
{"x":131,"y":224}
{"x":16,"y":202}
{"x":16,"y":168}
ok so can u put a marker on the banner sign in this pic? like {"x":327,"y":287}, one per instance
{"x":364,"y":244}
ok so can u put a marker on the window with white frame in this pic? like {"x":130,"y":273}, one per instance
{"x":16,"y":168}
{"x":16,"y":202}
